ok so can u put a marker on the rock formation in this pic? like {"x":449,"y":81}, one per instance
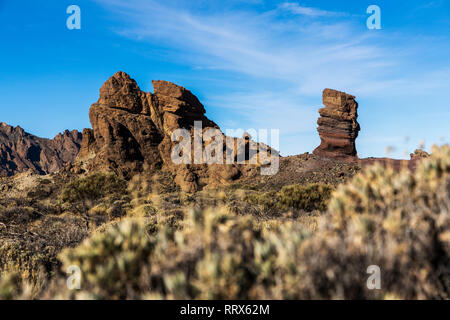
{"x":131,"y":133}
{"x":419,"y":154}
{"x":338,"y":127}
{"x":21,"y":151}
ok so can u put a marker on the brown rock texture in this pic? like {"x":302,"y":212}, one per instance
{"x":338,"y":127}
{"x":419,"y":154}
{"x":21,"y":151}
{"x":395,"y":164}
{"x":131,"y":133}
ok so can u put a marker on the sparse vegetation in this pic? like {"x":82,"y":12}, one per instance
{"x":171,"y":246}
{"x":93,"y":187}
{"x":308,"y":198}
{"x":10,"y":286}
{"x":112,"y":262}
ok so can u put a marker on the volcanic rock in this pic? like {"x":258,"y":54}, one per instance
{"x":132,"y":133}
{"x":419,"y":154}
{"x":338,"y":127}
{"x":21,"y":151}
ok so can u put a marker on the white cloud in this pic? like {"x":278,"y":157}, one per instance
{"x":258,"y":45}
{"x":296,"y":8}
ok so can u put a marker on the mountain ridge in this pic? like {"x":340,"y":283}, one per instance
{"x":21,"y":151}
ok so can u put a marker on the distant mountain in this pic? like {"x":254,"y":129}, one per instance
{"x":21,"y":151}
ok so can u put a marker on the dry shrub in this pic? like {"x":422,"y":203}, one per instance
{"x":24,"y":261}
{"x":398,"y":221}
{"x":101,"y":195}
{"x":11,"y":287}
{"x":301,"y":197}
{"x":93,"y":187}
{"x":310,"y":197}
{"x":111,"y":262}
{"x":216,"y":255}
{"x":18,"y":215}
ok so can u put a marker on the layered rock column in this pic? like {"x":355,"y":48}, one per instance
{"x":338,"y":126}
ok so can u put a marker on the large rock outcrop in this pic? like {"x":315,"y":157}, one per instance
{"x":132,"y":132}
{"x":21,"y":151}
{"x":338,"y":126}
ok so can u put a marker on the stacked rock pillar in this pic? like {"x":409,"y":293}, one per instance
{"x":338,"y":126}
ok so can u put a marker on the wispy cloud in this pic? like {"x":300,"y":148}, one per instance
{"x":431,"y":4}
{"x":259,"y":44}
{"x":296,"y":8}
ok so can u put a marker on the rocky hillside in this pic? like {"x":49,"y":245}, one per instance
{"x":133,"y":132}
{"x":21,"y":151}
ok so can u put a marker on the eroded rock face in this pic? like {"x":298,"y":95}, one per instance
{"x":131,"y":133}
{"x":21,"y":151}
{"x":338,"y":126}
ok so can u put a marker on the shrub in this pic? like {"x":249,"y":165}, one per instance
{"x":10,"y":286}
{"x":266,"y":200}
{"x":111,"y":262}
{"x":18,"y":215}
{"x":24,"y":261}
{"x":93,"y":187}
{"x":398,"y":221}
{"x":30,"y":249}
{"x":308,"y":198}
{"x":216,"y":255}
{"x":125,"y":263}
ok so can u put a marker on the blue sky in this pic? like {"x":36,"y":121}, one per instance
{"x":253,"y":63}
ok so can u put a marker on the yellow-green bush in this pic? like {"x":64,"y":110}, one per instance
{"x":111,"y":262}
{"x":10,"y":286}
{"x":266,"y":200}
{"x":398,"y":221}
{"x":301,"y":197}
{"x":93,"y":187}
{"x":216,"y":255}
{"x":310,"y":197}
